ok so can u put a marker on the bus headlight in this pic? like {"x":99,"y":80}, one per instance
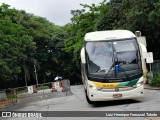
{"x":92,"y":86}
{"x":138,"y":84}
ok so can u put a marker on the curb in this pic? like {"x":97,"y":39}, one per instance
{"x":151,"y":88}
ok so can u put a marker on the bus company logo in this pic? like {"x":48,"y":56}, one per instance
{"x":116,"y":89}
{"x":108,"y":85}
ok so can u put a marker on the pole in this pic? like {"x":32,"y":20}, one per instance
{"x":150,"y":67}
{"x":25,"y":73}
{"x":35,"y":70}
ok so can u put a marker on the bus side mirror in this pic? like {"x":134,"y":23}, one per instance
{"x":143,"y":51}
{"x":83,"y":57}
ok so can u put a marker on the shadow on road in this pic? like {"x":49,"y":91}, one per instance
{"x":114,"y":103}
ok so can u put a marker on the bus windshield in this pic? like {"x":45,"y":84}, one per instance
{"x":113,"y":59}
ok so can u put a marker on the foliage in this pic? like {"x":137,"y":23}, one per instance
{"x":27,"y":40}
{"x":133,"y":15}
{"x":14,"y":44}
{"x":42,"y":87}
{"x":155,"y":81}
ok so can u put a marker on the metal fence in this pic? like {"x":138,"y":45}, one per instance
{"x":34,"y":92}
{"x":155,"y":67}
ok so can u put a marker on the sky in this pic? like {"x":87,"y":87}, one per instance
{"x":56,"y":11}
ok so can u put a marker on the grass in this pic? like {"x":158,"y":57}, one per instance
{"x":11,"y":97}
{"x":42,"y":87}
{"x":21,"y":91}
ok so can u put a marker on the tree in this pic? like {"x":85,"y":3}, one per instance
{"x":27,"y":41}
{"x":133,"y":15}
{"x":14,"y":44}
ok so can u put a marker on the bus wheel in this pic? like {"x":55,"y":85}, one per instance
{"x":87,"y":98}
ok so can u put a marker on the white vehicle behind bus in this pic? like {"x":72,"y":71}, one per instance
{"x":111,"y":65}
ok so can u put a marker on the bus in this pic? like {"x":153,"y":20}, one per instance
{"x":111,"y":66}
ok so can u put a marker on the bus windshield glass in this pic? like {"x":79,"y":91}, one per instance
{"x":113,"y":59}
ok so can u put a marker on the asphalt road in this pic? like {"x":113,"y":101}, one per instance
{"x":77,"y":102}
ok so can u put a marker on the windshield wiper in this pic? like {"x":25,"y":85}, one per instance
{"x":109,"y":71}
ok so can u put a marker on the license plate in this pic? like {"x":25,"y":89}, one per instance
{"x":117,"y":95}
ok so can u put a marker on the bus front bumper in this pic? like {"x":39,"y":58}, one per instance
{"x":98,"y":95}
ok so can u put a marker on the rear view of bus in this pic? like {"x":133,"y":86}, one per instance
{"x":111,"y":66}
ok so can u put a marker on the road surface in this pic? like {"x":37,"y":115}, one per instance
{"x":77,"y":102}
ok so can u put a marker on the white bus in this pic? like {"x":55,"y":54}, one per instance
{"x":111,"y":66}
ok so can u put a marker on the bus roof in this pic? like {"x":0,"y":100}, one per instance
{"x":108,"y":35}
